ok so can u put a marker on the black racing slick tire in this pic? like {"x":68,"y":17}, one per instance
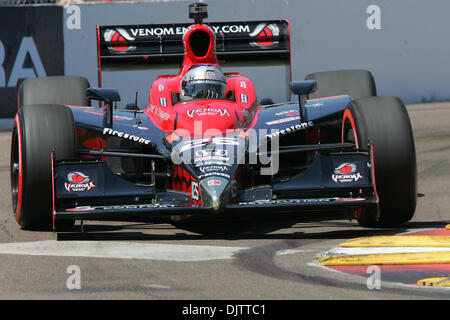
{"x":355,"y":83}
{"x":38,"y":130}
{"x":384,"y":122}
{"x":69,"y":90}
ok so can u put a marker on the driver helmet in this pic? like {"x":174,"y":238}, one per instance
{"x":203,"y":82}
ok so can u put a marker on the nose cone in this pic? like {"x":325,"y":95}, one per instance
{"x":214,"y":191}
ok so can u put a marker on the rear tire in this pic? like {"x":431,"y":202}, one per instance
{"x":384,"y":121}
{"x":355,"y":83}
{"x":70,"y":90}
{"x":37,"y":131}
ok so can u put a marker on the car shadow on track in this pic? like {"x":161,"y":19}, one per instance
{"x":282,"y":226}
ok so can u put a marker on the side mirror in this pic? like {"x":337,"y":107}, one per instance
{"x":303,"y":88}
{"x":108,"y":96}
{"x":103,"y":94}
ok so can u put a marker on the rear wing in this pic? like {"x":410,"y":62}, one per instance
{"x":247,"y":43}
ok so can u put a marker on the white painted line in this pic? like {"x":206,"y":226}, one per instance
{"x":155,"y":286}
{"x":120,"y":250}
{"x":294,"y":251}
{"x":380,"y":250}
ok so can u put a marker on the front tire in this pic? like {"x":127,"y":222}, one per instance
{"x":38,"y":130}
{"x":384,"y":121}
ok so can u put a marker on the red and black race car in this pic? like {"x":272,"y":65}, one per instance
{"x":205,"y":144}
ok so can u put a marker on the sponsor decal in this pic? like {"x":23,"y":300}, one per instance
{"x":121,"y":207}
{"x":78,"y":182}
{"x":278,"y":121}
{"x":158,"y":31}
{"x":158,"y":111}
{"x":287,"y":201}
{"x":206,"y":169}
{"x":120,"y":39}
{"x":210,"y":75}
{"x":346,"y":172}
{"x":287,"y":113}
{"x":264,"y":35}
{"x":124,"y":135}
{"x":208,"y":152}
{"x":141,"y":127}
{"x":209,"y":158}
{"x":213,"y":163}
{"x":313,"y":104}
{"x":195,"y":192}
{"x":351,"y":199}
{"x":214,"y":182}
{"x":291,"y":129}
{"x":181,"y":30}
{"x":231,"y":29}
{"x":210,"y":174}
{"x":122,"y":118}
{"x":78,"y":209}
{"x":207,"y":112}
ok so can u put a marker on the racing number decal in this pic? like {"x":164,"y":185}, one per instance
{"x":195,"y":194}
{"x":244,"y":98}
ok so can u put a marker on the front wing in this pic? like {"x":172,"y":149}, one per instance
{"x":89,"y":190}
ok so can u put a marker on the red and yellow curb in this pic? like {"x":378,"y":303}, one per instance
{"x":435,"y":282}
{"x":399,"y":241}
{"x":381,"y":259}
{"x":401,"y":258}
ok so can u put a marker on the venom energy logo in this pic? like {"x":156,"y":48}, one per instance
{"x":346,"y":172}
{"x":119,"y":39}
{"x":78,"y":182}
{"x":207,"y":111}
{"x":265,"y":34}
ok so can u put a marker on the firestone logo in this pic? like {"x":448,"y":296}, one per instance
{"x":346,"y":172}
{"x":78,"y":182}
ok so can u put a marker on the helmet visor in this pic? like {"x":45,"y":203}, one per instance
{"x":205,"y":89}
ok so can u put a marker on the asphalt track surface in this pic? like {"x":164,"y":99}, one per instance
{"x":260,"y":257}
